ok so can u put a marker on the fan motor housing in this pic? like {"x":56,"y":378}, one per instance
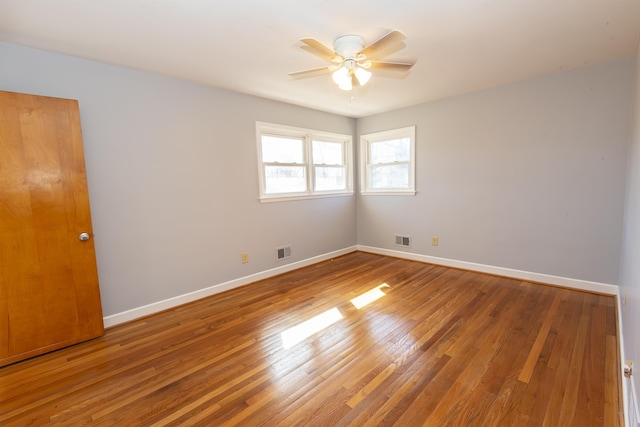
{"x":348,"y":46}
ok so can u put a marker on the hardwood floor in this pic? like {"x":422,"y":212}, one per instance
{"x":441,"y":347}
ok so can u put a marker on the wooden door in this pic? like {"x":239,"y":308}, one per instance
{"x":49,"y":294}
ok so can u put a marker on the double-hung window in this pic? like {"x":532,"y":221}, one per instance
{"x":387,"y":162}
{"x":297,"y":163}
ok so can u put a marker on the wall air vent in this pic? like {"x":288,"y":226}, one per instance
{"x":283,"y":252}
{"x":404,"y":241}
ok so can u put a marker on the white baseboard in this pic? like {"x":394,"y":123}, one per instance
{"x":135,"y":313}
{"x":633,"y":415}
{"x":630,"y":399}
{"x":145,"y":310}
{"x":584,"y":285}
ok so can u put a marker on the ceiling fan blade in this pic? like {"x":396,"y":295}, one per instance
{"x":315,"y":47}
{"x":314,"y":72}
{"x":391,"y":66}
{"x":385,"y":42}
{"x":389,"y":50}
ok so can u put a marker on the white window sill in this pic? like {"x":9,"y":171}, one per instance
{"x":389,"y":193}
{"x":281,"y":198}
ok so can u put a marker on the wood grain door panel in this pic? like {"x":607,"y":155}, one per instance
{"x":49,"y":294}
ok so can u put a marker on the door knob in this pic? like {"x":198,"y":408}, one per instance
{"x":84,"y":237}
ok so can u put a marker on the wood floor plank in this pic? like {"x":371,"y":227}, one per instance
{"x":534,"y":353}
{"x":569,"y":401}
{"x":442,"y":346}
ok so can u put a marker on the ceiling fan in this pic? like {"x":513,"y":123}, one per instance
{"x":351,"y":60}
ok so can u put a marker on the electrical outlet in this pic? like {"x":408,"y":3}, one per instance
{"x":628,"y":368}
{"x":245,"y":257}
{"x":434,"y":241}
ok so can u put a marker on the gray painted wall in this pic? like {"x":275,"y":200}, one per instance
{"x":528,"y":176}
{"x":172,"y":172}
{"x":630,"y":264}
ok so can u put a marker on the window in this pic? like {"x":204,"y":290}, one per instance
{"x":301,"y":163}
{"x":387,"y":161}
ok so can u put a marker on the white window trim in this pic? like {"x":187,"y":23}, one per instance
{"x":366,"y":140}
{"x":308,"y":135}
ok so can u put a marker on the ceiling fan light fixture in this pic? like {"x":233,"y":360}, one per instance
{"x":346,"y":85}
{"x":362,"y":75}
{"x":342,"y":77}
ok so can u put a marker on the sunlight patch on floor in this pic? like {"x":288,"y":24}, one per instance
{"x":368,"y":297}
{"x":304,"y":330}
{"x":301,"y":331}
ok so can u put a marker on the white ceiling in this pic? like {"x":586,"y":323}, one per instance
{"x":250,"y":46}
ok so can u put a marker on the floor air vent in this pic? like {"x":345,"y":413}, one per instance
{"x":283,"y":252}
{"x":403,"y":241}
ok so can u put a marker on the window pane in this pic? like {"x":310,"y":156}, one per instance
{"x":282,"y":150}
{"x":388,"y":161}
{"x":393,"y":176}
{"x":327,"y":153}
{"x":330,"y":179}
{"x":285,"y":179}
{"x":303,"y":163}
{"x":394,"y":150}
